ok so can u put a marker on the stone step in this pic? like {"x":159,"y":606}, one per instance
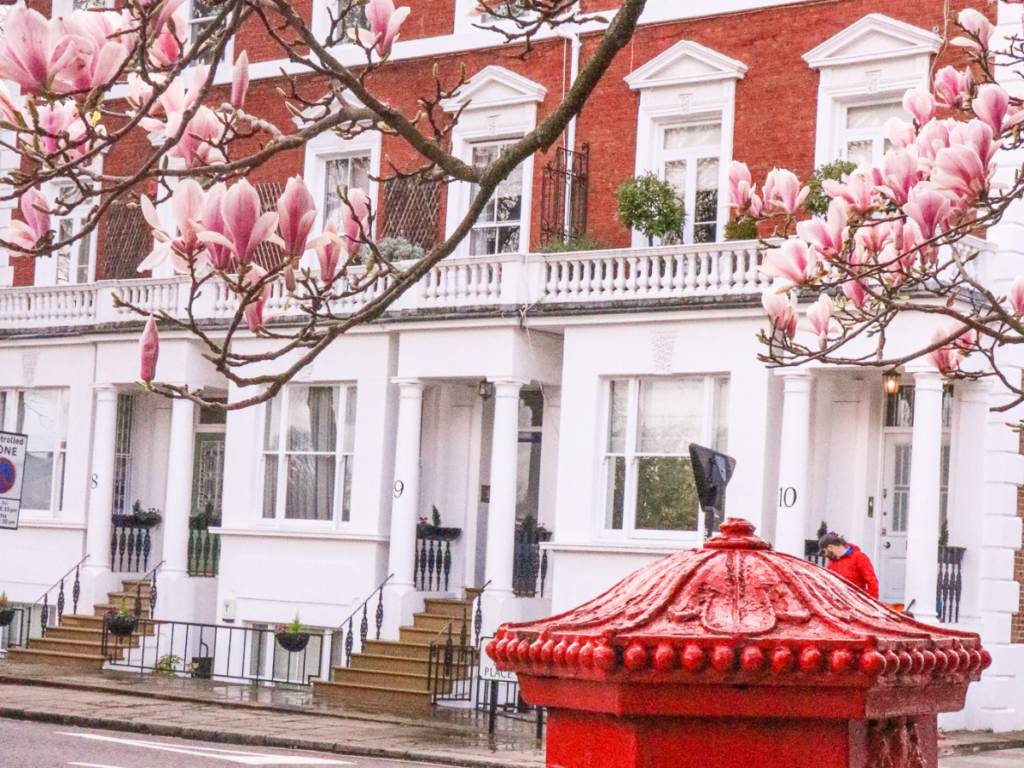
{"x":75,"y":647}
{"x":93,"y":637}
{"x":100,"y":609}
{"x":397,"y":650}
{"x":448,"y":607}
{"x":418,"y":636}
{"x":146,"y":626}
{"x":113,"y":598}
{"x":400,"y":681}
{"x":131,"y":584}
{"x":79,"y":662}
{"x":440,"y":623}
{"x":368,"y":697}
{"x":371,"y":661}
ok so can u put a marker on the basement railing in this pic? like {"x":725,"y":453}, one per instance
{"x":343,"y":640}
{"x":453,"y":657}
{"x":949,"y":584}
{"x":23,"y":626}
{"x":529,"y":561}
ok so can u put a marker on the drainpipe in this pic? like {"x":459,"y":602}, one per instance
{"x":573,"y":36}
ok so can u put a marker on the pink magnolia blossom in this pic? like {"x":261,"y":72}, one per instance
{"x":1016,"y":296}
{"x":933,"y":138}
{"x":35,"y":210}
{"x":173,"y":36}
{"x":872,"y":239}
{"x":355,"y":219}
{"x":328,"y":252}
{"x":59,"y":128}
{"x":385,"y":23}
{"x":945,"y":359}
{"x":900,"y":132}
{"x":854,"y":291}
{"x":953,"y":87}
{"x":902,"y":173}
{"x":296,"y":214}
{"x":254,"y":316}
{"x":220,"y":255}
{"x":990,"y":105}
{"x":929,"y":209}
{"x":793,"y":261}
{"x":240,"y":227}
{"x":149,"y":351}
{"x":960,"y":171}
{"x":820,"y":319}
{"x":967,"y":341}
{"x":920,"y":104}
{"x":741,"y":191}
{"x":186,"y":209}
{"x":240,"y":81}
{"x":100,"y":51}
{"x":978,"y":136}
{"x":976,"y":24}
{"x":857,"y":189}
{"x":781,"y":310}
{"x":782,"y":191}
{"x":35,"y":50}
{"x":826,"y":236}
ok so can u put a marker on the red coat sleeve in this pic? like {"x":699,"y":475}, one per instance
{"x":868,"y":574}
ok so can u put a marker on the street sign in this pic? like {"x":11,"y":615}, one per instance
{"x":12,"y":474}
{"x":489,"y":670}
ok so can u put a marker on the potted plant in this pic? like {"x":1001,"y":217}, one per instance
{"x":291,"y":637}
{"x":6,"y":610}
{"x":650,"y":205}
{"x":140,"y":518}
{"x":434,"y":530}
{"x":120,"y":621}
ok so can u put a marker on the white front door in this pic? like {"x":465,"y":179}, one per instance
{"x":895,"y":503}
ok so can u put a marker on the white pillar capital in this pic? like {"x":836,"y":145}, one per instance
{"x":105,"y":392}
{"x":409,"y":387}
{"x":507,"y":386}
{"x":926,"y":378}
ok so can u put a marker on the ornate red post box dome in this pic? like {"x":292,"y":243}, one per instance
{"x":736,"y":656}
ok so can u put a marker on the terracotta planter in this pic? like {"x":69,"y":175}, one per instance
{"x":120,"y":625}
{"x":6,"y":616}
{"x":293,"y":643}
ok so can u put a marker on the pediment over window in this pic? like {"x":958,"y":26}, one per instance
{"x":685,"y":62}
{"x":873,"y":38}
{"x":495,"y":86}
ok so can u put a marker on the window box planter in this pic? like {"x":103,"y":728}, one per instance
{"x":6,"y":616}
{"x":293,"y":642}
{"x":437,"y":532}
{"x":120,"y":625}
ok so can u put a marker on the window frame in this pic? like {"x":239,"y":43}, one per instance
{"x":710,"y":410}
{"x":877,"y":135}
{"x":48,"y":268}
{"x":344,"y":457}
{"x":691,"y":156}
{"x":193,"y":21}
{"x":496,"y":225}
{"x":13,"y":422}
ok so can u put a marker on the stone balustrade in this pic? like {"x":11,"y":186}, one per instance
{"x":587,"y":278}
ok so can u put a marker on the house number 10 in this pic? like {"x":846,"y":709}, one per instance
{"x":787,"y":496}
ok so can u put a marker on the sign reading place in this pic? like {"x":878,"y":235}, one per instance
{"x":489,"y":670}
{"x":12,"y":474}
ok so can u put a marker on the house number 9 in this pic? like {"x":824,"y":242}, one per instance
{"x":399,"y":489}
{"x":787,"y":496}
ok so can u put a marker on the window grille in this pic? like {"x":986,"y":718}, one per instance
{"x":412,"y":210}
{"x":567,"y":170}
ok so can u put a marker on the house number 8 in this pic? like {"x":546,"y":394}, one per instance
{"x":399,"y":489}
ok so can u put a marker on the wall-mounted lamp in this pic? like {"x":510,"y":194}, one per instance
{"x":486,"y":390}
{"x":892,"y":382}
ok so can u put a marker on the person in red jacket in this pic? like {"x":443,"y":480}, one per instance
{"x":849,"y":562}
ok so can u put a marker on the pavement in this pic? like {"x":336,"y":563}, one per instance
{"x":288,"y":718}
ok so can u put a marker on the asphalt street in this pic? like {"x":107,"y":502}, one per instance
{"x":36,"y":745}
{"x":1006,"y":758}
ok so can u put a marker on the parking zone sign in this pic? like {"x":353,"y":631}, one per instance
{"x":12,"y":474}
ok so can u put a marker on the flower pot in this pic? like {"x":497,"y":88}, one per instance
{"x":293,"y":643}
{"x":6,"y":616}
{"x":120,"y":625}
{"x":202,"y":667}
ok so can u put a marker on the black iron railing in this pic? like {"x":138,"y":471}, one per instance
{"x":433,"y":565}
{"x":949,"y":585}
{"x":564,"y":179}
{"x":130,"y":545}
{"x":530,"y":562}
{"x":345,"y":635}
{"x":203,"y":549}
{"x":452,"y":660}
{"x":215,"y":652}
{"x":48,"y":614}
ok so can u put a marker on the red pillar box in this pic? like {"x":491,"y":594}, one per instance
{"x":735,"y":656}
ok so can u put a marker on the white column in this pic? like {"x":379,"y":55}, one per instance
{"x":178,"y":501}
{"x":794,"y":457}
{"x":501,"y":515}
{"x":405,"y":507}
{"x":923,"y":505}
{"x":96,"y":578}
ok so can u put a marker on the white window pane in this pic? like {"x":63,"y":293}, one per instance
{"x":350,"y":420}
{"x":272,"y":427}
{"x":310,"y":487}
{"x":346,"y":488}
{"x":483,"y":242}
{"x":616,"y":492}
{"x":666,"y":494}
{"x":64,"y":231}
{"x":675,"y":174}
{"x":860,"y":152}
{"x":82,"y":266}
{"x":343,"y":174}
{"x":35,"y":492}
{"x":618,"y":398}
{"x":684,"y":136}
{"x":269,"y":487}
{"x":873,"y":115}
{"x":311,"y":419}
{"x":720,"y":435}
{"x":38,"y":418}
{"x":670,"y":415}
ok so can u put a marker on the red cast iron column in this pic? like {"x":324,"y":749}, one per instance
{"x":735,"y":656}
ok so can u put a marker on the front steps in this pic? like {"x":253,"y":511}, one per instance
{"x":77,"y":644}
{"x":394,"y":675}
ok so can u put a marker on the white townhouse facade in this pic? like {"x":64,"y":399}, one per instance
{"x":541,"y":403}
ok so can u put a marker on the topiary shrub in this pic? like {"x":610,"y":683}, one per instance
{"x":817,"y":201}
{"x":741,"y":229}
{"x":650,"y":206}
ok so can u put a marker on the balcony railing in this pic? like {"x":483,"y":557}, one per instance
{"x":587,"y":277}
